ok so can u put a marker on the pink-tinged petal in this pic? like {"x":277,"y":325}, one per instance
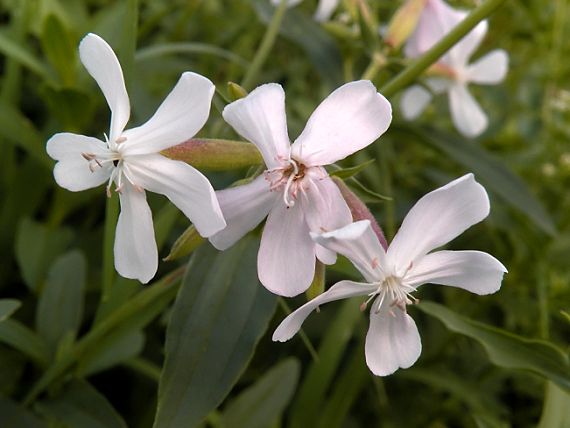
{"x":392,"y":341}
{"x":325,"y":255}
{"x":102,"y":64}
{"x":180,"y":116}
{"x":349,"y":119}
{"x":467,"y":115}
{"x":244,"y":207}
{"x":341,"y":290}
{"x":358,"y":242}
{"x":474,"y":271}
{"x":437,"y":218}
{"x":185,"y":186}
{"x":414,"y":101}
{"x":462,"y":51}
{"x":260,"y":118}
{"x":136,"y":256}
{"x":490,"y":69}
{"x":286,"y":259}
{"x":72,"y":170}
{"x":325,"y":10}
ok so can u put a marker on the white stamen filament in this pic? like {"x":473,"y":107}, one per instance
{"x":398,"y":292}
{"x":290,"y":180}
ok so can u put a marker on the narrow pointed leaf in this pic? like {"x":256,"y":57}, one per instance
{"x":220,"y":313}
{"x":8,"y":307}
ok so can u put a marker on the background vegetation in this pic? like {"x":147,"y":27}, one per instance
{"x":73,"y":357}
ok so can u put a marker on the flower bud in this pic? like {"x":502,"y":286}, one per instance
{"x":185,"y":244}
{"x":404,"y":22}
{"x":235,"y":91}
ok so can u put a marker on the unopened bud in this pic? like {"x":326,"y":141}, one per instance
{"x":359,"y":210}
{"x":185,"y":244}
{"x":404,"y":22}
{"x":235,"y":91}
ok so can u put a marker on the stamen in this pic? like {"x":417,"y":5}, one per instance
{"x":290,"y":179}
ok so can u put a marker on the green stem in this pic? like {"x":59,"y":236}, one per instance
{"x":314,"y":355}
{"x":111,"y":216}
{"x":166,"y":288}
{"x":422,"y":63}
{"x":265,"y":47}
{"x":145,"y":367}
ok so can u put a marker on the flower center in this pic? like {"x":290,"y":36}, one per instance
{"x":289,"y":178}
{"x":396,"y":290}
{"x":120,"y":168}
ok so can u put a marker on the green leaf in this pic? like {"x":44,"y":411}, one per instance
{"x":60,"y":308}
{"x":301,"y":29}
{"x":366,"y":194}
{"x":506,"y":349}
{"x":220,"y":313}
{"x":345,"y":173}
{"x":162,"y":49}
{"x":491,"y":172}
{"x":311,"y":397}
{"x":37,"y":246}
{"x":21,"y":54}
{"x":12,"y":365}
{"x":8,"y":307}
{"x":114,"y":349}
{"x":264,"y":401}
{"x":70,"y":106}
{"x":81,"y":405}
{"x":20,"y":337}
{"x":555,"y":412}
{"x":185,"y":244}
{"x":14,"y":415}
{"x":60,"y":48}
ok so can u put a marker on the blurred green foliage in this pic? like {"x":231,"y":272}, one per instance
{"x":70,"y":358}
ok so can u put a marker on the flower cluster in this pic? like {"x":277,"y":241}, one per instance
{"x":308,"y":219}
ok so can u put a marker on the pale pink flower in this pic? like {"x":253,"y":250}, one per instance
{"x":131,"y":160}
{"x":436,"y":20}
{"x":392,"y":276}
{"x":296,"y":190}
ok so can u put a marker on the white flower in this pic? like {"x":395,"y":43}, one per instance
{"x":296,"y":190}
{"x":436,"y":20}
{"x":392,"y":276}
{"x":130,"y":159}
{"x":324,"y":10}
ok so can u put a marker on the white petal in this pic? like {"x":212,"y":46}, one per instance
{"x":490,"y":69}
{"x":185,"y":186}
{"x":102,"y":64}
{"x":392,"y":341}
{"x":325,"y":255}
{"x":260,"y":118}
{"x":244,"y":207}
{"x":136,"y":256}
{"x":414,"y":101}
{"x":437,"y":218}
{"x":325,"y":10}
{"x":466,"y":113}
{"x":180,"y":116}
{"x":359,"y":243}
{"x":349,"y":119}
{"x":341,"y":290}
{"x":474,"y":271}
{"x":462,"y":51}
{"x":290,"y":3}
{"x":72,"y":170}
{"x":286,"y":259}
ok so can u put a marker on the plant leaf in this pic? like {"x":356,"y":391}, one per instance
{"x":60,"y":307}
{"x":264,"y":401}
{"x":14,"y":415}
{"x":506,"y":349}
{"x":220,"y":313}
{"x":345,"y":173}
{"x":8,"y":307}
{"x":20,"y":337}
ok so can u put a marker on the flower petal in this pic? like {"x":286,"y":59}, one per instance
{"x":414,"y":101}
{"x":180,"y":116}
{"x":392,"y":341}
{"x":490,"y":69}
{"x":102,"y":64}
{"x":349,"y":119}
{"x":325,"y":10}
{"x":286,"y":259}
{"x":474,"y":271}
{"x":136,"y":256}
{"x":72,"y":170}
{"x":359,"y":243}
{"x":244,"y":207}
{"x":260,"y":118}
{"x":184,"y":185}
{"x":466,"y":113}
{"x":437,"y":218}
{"x":290,"y":3}
{"x":341,"y":290}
